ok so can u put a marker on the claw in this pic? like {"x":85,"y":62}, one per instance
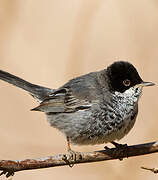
{"x":70,"y":158}
{"x":8,"y":173}
{"x":120,"y":149}
{"x":71,"y":155}
{"x":120,"y":146}
{"x":106,"y":148}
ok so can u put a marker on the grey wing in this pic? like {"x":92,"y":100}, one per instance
{"x":62,"y":100}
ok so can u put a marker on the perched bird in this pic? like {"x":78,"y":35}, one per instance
{"x":95,"y":108}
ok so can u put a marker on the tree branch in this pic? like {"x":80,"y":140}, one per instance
{"x":9,"y":167}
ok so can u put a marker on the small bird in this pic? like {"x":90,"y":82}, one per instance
{"x":95,"y":108}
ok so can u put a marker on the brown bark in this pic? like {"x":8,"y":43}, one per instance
{"x":9,"y":167}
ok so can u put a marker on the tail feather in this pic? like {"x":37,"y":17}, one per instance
{"x":38,"y":92}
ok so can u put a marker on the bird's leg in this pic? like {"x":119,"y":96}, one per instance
{"x":70,"y":151}
{"x":68,"y":144}
{"x":70,"y":157}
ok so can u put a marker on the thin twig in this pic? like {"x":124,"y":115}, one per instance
{"x":9,"y":167}
{"x":154,"y":170}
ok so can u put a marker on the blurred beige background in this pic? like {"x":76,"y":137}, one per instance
{"x":48,"y":42}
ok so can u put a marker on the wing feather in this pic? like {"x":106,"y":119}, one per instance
{"x":62,"y":100}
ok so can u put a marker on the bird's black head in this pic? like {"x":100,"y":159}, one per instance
{"x":122,"y":76}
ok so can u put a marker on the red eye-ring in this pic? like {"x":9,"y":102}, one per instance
{"x":126,"y":82}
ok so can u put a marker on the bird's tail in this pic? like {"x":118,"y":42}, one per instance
{"x":38,"y":92}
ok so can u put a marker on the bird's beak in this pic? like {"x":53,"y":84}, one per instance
{"x":144,"y":84}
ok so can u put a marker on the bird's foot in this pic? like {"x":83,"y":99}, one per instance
{"x":71,"y":157}
{"x":119,"y":146}
{"x":121,"y":149}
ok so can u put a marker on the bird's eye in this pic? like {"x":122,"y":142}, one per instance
{"x":126,"y":82}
